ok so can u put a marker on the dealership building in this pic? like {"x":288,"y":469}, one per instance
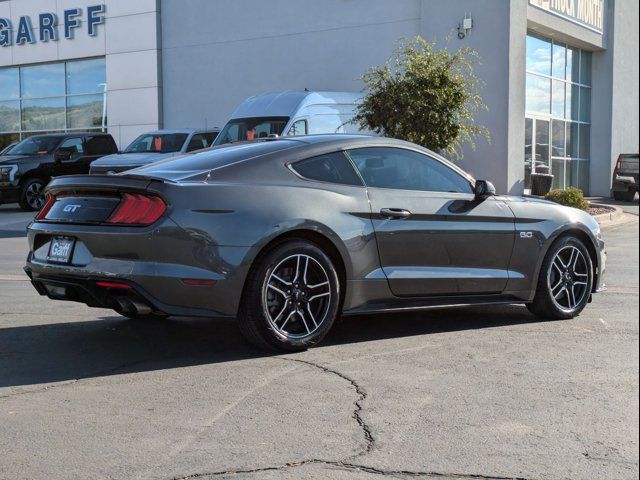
{"x":560,"y":76}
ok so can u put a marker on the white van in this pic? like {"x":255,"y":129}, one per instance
{"x":291,"y":114}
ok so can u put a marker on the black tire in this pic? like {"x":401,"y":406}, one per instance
{"x":29,"y":199}
{"x":304,"y":312}
{"x":560,"y":294}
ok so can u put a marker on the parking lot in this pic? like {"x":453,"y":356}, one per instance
{"x":483,"y":392}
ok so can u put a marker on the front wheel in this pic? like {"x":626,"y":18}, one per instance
{"x":31,"y":197}
{"x":291,"y":298}
{"x":565,"y":282}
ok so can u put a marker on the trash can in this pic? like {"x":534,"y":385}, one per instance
{"x":541,"y":183}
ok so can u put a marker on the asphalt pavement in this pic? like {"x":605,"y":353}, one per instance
{"x":483,"y":392}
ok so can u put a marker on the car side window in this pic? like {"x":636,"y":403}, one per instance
{"x":298,"y":128}
{"x":398,"y":168}
{"x":198,"y":142}
{"x":100,"y":145}
{"x":73,"y":145}
{"x":331,"y":167}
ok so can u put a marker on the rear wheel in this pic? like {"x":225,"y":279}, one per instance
{"x":291,"y":298}
{"x":31,"y":196}
{"x":624,"y":196}
{"x":565,"y":282}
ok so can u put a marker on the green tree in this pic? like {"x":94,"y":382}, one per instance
{"x":425,"y":96}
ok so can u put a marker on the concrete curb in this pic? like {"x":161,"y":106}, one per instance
{"x":609,"y":217}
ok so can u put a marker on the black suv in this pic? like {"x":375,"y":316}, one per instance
{"x":28,"y":166}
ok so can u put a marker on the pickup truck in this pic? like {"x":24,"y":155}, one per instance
{"x":625,"y":177}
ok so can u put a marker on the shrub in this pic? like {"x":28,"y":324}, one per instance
{"x":425,"y":96}
{"x":571,"y":197}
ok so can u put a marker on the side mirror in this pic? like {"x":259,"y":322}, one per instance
{"x":484,"y":189}
{"x":63,"y":155}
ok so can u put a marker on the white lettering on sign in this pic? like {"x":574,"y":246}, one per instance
{"x":588,"y":13}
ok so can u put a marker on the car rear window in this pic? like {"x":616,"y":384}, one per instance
{"x":331,"y":167}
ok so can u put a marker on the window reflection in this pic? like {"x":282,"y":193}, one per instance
{"x":9,"y":80}
{"x":9,"y":116}
{"x":559,"y":60}
{"x":43,"y":114}
{"x":87,"y":76}
{"x":538,"y":55}
{"x":538,"y":95}
{"x":84,"y":111}
{"x":41,"y":81}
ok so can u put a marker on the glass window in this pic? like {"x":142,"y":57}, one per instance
{"x":557,"y":169}
{"x":585,"y":104}
{"x":585,"y":141}
{"x":557,"y":99}
{"x":87,"y":76}
{"x":44,"y":114}
{"x":558,"y":147}
{"x":41,"y":81}
{"x":573,"y":97}
{"x":298,"y":128}
{"x":572,"y":140}
{"x":73,"y":145}
{"x":36,"y":145}
{"x":333,"y":167}
{"x":158,"y":143}
{"x":397,"y":168}
{"x":542,"y":143}
{"x":538,"y":55}
{"x":10,"y":82}
{"x":9,"y":116}
{"x":528,"y":150}
{"x":100,"y":145}
{"x":199,"y":141}
{"x":573,"y":65}
{"x":538,"y":95}
{"x":7,"y":141}
{"x":585,"y":67}
{"x":578,"y":172}
{"x":559,"y":60}
{"x":85,"y":111}
{"x":250,"y":129}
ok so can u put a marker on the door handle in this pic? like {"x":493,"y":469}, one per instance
{"x":397,"y":213}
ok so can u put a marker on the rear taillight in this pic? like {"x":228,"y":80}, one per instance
{"x":49,"y":201}
{"x":138,"y":209}
{"x":619,"y":166}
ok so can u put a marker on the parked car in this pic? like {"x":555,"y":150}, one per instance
{"x":28,"y":167}
{"x":154,"y":146}
{"x":288,"y":234}
{"x":291,"y":114}
{"x":6,"y":149}
{"x":625,"y":178}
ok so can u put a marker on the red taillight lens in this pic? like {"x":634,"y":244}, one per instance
{"x":619,"y":166}
{"x":138,"y":209}
{"x":49,"y":201}
{"x":118,"y":285}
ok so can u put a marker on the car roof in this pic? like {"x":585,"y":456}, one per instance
{"x":68,"y":135}
{"x":285,"y":104}
{"x":181,"y":130}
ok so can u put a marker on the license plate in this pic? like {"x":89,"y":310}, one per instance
{"x":61,"y":250}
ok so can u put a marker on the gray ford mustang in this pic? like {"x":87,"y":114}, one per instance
{"x":287,"y":234}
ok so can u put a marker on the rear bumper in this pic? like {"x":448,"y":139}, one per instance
{"x":154,"y":261}
{"x":624,"y":183}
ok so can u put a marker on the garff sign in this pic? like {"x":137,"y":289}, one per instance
{"x":48,"y":26}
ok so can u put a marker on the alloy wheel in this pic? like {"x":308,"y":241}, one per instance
{"x":297,"y":296}
{"x":568,"y":278}
{"x":34,"y":195}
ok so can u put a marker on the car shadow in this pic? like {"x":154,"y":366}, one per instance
{"x":58,"y":352}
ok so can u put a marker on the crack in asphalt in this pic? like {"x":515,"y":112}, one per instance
{"x":357,"y":412}
{"x":346,"y":464}
{"x":354,"y":467}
